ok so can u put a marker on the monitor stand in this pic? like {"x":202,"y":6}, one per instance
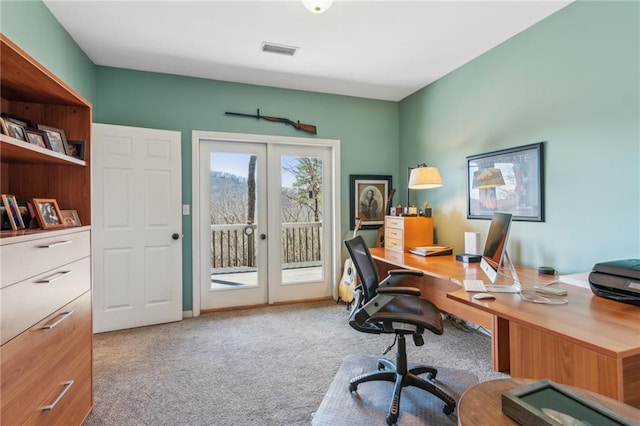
{"x":508,"y":271}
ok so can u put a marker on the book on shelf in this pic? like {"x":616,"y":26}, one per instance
{"x":433,"y":250}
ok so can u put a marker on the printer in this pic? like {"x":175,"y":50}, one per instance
{"x":617,"y":280}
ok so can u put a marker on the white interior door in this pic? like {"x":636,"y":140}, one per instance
{"x":266,"y":221}
{"x":137,"y":227}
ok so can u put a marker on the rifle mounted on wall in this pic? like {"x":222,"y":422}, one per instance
{"x":298,"y":125}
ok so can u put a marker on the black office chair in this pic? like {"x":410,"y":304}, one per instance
{"x":382,"y":307}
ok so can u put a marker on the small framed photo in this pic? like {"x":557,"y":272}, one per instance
{"x":48,"y":213}
{"x":76,"y":149}
{"x":70,"y":218}
{"x":37,"y":137}
{"x":13,"y":211}
{"x":56,"y":137}
{"x":3,"y":127}
{"x":15,"y":130}
{"x":368,"y":195}
{"x":20,"y":120}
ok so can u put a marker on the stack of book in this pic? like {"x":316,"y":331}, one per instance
{"x":431,"y":250}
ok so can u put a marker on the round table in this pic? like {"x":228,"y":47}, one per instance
{"x":482,"y":404}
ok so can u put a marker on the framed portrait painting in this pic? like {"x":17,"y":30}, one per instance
{"x":368,"y":196}
{"x":508,"y":181}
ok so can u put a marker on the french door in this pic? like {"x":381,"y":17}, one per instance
{"x":265,"y":222}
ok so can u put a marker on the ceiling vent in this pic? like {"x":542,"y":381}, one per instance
{"x":279,"y":49}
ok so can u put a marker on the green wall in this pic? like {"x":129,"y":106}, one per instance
{"x":143,"y":99}
{"x":572,"y":81}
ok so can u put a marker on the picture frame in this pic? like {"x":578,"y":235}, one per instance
{"x":15,"y":130}
{"x":546,"y":403}
{"x":37,"y":137}
{"x":508,"y":181}
{"x":76,"y":149}
{"x":13,"y":211}
{"x":56,"y":137}
{"x":48,"y":213}
{"x":70,"y":218}
{"x":3,"y":127}
{"x":20,"y":120}
{"x":368,"y":196}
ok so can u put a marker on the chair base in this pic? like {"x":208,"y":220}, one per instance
{"x":402,"y":377}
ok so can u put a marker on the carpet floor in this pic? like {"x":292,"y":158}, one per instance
{"x":266,"y":366}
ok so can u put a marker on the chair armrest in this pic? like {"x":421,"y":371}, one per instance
{"x":411,"y":291}
{"x":396,"y":275}
{"x":413,"y":272}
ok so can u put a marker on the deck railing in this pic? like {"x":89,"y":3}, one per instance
{"x":232,"y":247}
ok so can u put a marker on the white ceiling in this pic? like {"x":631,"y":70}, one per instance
{"x":372,"y":49}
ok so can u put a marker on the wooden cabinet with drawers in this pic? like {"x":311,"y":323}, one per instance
{"x":45,"y":278}
{"x":403,"y":232}
{"x":45,"y":316}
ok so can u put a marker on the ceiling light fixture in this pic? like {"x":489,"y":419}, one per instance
{"x":317,"y":6}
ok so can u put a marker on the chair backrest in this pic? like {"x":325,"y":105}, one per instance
{"x":365,"y":266}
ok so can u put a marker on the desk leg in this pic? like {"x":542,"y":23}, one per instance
{"x":500,"y":356}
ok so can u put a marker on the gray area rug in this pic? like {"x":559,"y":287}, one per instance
{"x":370,"y":404}
{"x":267,"y":366}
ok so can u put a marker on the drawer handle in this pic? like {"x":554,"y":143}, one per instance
{"x":54,"y":277}
{"x":67,"y":386}
{"x":56,"y":244}
{"x":64,"y":316}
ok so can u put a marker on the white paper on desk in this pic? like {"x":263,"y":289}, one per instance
{"x":579,"y":280}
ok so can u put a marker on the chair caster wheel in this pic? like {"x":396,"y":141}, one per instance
{"x":381,"y":366}
{"x":447,"y":410}
{"x":352,"y":387}
{"x":431,"y":376}
{"x":391,"y":420}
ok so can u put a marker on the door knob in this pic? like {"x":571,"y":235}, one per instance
{"x":175,"y":236}
{"x":263,"y":237}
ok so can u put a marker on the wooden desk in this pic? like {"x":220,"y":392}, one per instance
{"x":482,"y":405}
{"x":591,"y":343}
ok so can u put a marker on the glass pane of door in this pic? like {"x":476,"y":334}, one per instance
{"x":233,"y":215}
{"x":233,"y":223}
{"x":302,"y":211}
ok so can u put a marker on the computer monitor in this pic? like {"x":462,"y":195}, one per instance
{"x":495,"y":247}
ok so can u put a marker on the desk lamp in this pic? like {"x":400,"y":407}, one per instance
{"x":486,"y":181}
{"x":421,"y":177}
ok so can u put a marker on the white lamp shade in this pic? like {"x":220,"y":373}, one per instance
{"x":317,"y":6}
{"x":425,"y":178}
